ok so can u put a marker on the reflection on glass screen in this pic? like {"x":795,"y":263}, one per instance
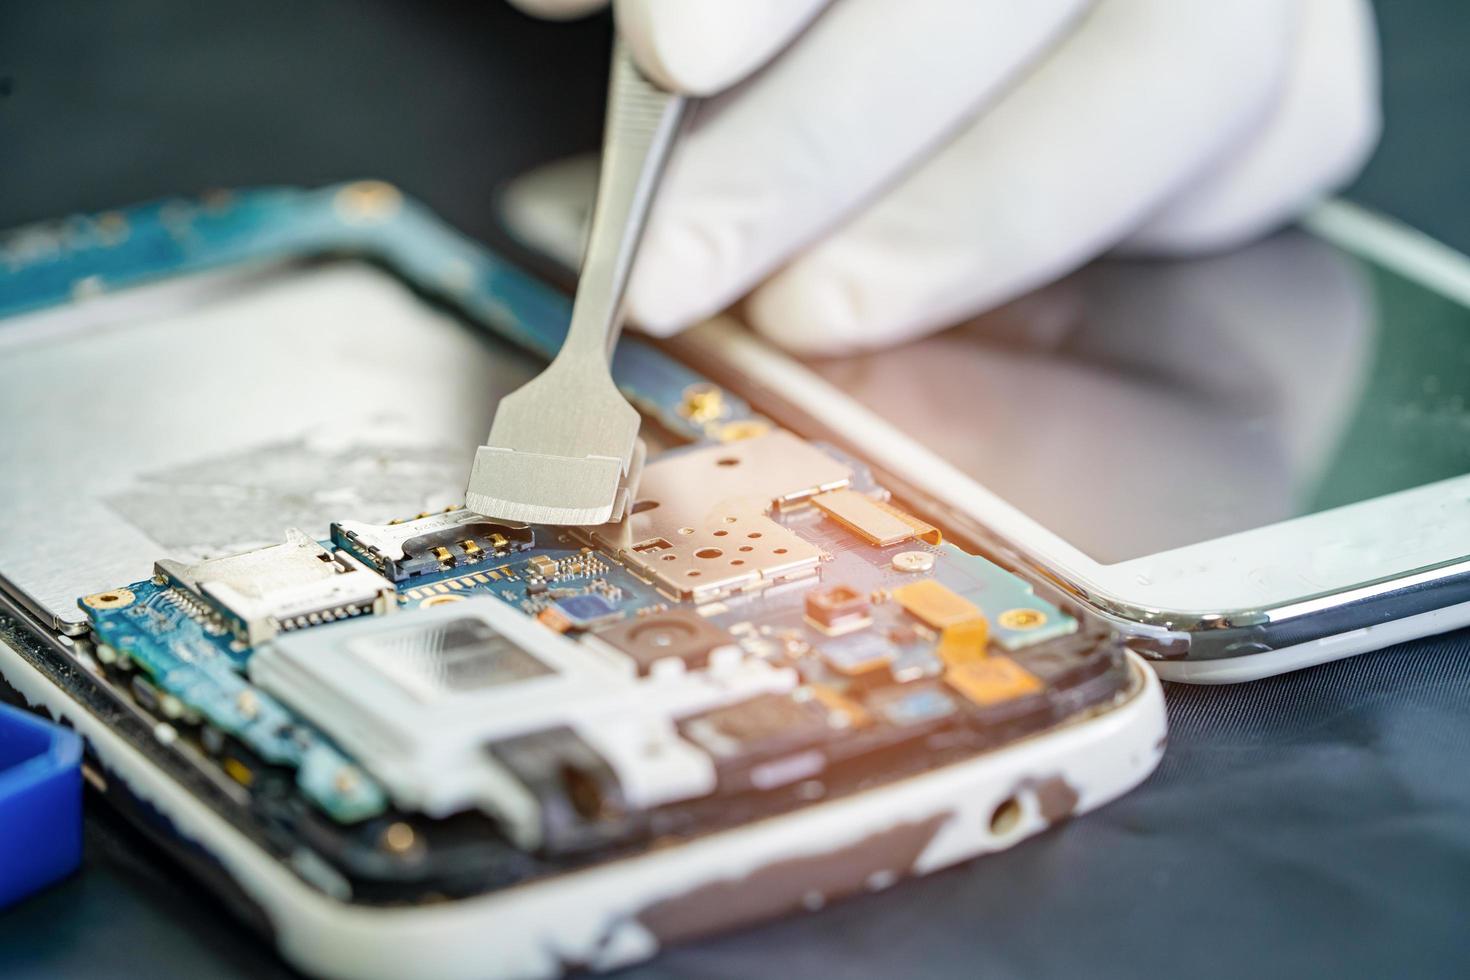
{"x":1141,"y":406}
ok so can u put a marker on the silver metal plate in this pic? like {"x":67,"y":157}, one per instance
{"x":461,"y":654}
{"x":697,"y":545}
{"x":204,"y":416}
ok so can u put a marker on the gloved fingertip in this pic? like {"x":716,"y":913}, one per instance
{"x":701,"y":47}
{"x":668,"y":51}
{"x":807,"y":315}
{"x":558,"y":9}
{"x":652,"y":320}
{"x":671,"y":283}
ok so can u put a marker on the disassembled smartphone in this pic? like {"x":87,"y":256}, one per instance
{"x":1247,"y":463}
{"x":403,"y":740}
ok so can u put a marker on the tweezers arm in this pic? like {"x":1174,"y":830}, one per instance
{"x":564,"y":448}
{"x":642,"y":121}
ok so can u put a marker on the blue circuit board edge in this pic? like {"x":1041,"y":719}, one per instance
{"x":52,"y":263}
{"x":203,"y":671}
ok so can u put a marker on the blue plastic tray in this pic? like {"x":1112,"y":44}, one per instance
{"x":40,"y":803}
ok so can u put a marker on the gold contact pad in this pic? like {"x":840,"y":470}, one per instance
{"x":992,"y":681}
{"x":935,"y":604}
{"x":963,"y":629}
{"x":964,"y":642}
{"x":875,"y":521}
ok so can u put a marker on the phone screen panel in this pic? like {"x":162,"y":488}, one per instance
{"x":1141,"y":406}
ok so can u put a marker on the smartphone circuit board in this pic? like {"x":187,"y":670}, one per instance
{"x":335,"y":701}
{"x":447,"y":704}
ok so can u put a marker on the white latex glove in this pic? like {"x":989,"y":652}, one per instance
{"x":893,"y":166}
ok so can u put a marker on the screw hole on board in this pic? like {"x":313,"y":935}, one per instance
{"x":746,"y":547}
{"x":721,"y":534}
{"x":1006,"y":816}
{"x":753,"y":534}
{"x":708,"y":553}
{"x":780,"y":551}
{"x":116,"y":599}
{"x":692,"y":573}
{"x":1021,"y":619}
{"x":727,"y":461}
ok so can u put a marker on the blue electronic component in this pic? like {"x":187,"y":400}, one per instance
{"x":40,"y":803}
{"x":584,"y":611}
{"x":155,"y":633}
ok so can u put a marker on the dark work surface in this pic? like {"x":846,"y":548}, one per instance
{"x":1317,"y":823}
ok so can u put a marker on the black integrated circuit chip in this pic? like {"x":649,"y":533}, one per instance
{"x":768,"y":741}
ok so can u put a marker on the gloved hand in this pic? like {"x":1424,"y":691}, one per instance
{"x":868,"y":171}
